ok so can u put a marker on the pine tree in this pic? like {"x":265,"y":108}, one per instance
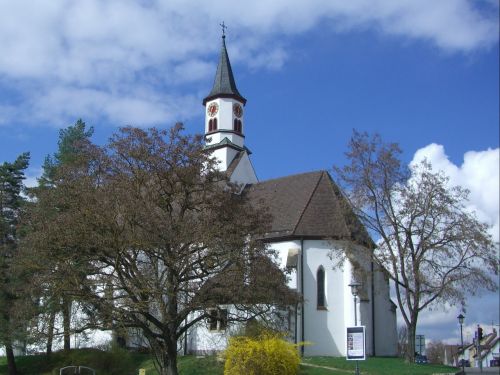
{"x":11,"y":204}
{"x":58,"y":298}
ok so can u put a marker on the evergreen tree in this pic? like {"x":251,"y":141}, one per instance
{"x":57,"y":296}
{"x":70,"y":142}
{"x":12,"y":203}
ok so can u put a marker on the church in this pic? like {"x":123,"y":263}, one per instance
{"x":311,"y":218}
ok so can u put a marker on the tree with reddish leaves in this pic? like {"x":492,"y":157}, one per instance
{"x":167,"y":236}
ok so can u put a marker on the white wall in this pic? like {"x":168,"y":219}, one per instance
{"x":225,"y":117}
{"x":324,"y":329}
{"x":385,"y":318}
{"x":244,"y":172}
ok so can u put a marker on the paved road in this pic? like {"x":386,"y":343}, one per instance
{"x":486,"y":370}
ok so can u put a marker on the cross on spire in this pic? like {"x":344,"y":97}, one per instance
{"x":224,"y":27}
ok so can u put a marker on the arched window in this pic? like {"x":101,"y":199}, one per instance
{"x":210,"y":125}
{"x":215,"y":124}
{"x":320,"y":280}
{"x":237,"y":125}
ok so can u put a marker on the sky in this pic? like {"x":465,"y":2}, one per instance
{"x":422,"y":73}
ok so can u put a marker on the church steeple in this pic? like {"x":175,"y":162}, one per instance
{"x":224,"y":122}
{"x":224,"y":106}
{"x":224,"y":84}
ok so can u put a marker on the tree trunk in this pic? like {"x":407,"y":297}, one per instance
{"x":66,"y":311}
{"x":11,"y":362}
{"x":50,"y":332}
{"x":166,"y":356}
{"x":170,"y":363}
{"x":410,"y":350}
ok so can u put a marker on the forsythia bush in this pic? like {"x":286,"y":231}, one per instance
{"x":267,"y":354}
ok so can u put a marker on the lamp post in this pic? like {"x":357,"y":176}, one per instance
{"x":354,"y":290}
{"x":461,"y":321}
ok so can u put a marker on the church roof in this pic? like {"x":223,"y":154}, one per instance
{"x":226,"y":142}
{"x":224,"y":84}
{"x":308,"y":205}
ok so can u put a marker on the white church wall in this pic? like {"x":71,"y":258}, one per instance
{"x":225,"y":117}
{"x":325,"y":329}
{"x":360,"y":257}
{"x":201,"y":340}
{"x":282,"y":249}
{"x":244,"y":172}
{"x":385,"y":318}
{"x":224,"y":157}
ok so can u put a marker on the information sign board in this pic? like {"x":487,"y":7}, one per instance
{"x":356,"y":343}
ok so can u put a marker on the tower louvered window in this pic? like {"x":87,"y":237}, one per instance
{"x":237,"y":125}
{"x":212,"y":125}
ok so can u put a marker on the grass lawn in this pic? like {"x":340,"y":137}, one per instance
{"x":377,"y":366}
{"x":108,"y":363}
{"x":125,"y":363}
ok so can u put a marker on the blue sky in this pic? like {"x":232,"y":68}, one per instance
{"x":420,"y":72}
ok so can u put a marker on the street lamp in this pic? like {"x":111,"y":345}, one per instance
{"x":461,"y":321}
{"x":355,"y":285}
{"x":355,"y":290}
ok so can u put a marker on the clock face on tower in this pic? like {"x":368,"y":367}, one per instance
{"x":237,"y":110}
{"x":212,"y":109}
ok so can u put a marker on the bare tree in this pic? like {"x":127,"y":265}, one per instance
{"x":436,"y":352}
{"x":168,"y":237}
{"x":402,"y":341}
{"x":432,"y":248}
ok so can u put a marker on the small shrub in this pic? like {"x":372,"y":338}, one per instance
{"x":267,"y":354}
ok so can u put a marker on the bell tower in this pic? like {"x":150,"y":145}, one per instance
{"x":224,"y":119}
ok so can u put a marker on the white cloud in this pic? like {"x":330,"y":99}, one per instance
{"x":110,"y":47}
{"x":32,"y":175}
{"x":479,"y":173}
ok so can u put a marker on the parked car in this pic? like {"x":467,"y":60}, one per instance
{"x":421,"y":359}
{"x":465,"y":361}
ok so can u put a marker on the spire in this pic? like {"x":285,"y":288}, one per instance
{"x":224,"y":84}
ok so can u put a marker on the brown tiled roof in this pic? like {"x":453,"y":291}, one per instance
{"x":308,"y":205}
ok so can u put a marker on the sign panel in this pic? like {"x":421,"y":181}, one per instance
{"x":356,"y":343}
{"x":420,"y":344}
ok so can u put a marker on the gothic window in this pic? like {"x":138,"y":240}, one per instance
{"x":217,"y":319}
{"x":320,"y":280}
{"x":222,"y":319}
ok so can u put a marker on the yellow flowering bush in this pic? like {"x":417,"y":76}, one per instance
{"x":267,"y":354}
